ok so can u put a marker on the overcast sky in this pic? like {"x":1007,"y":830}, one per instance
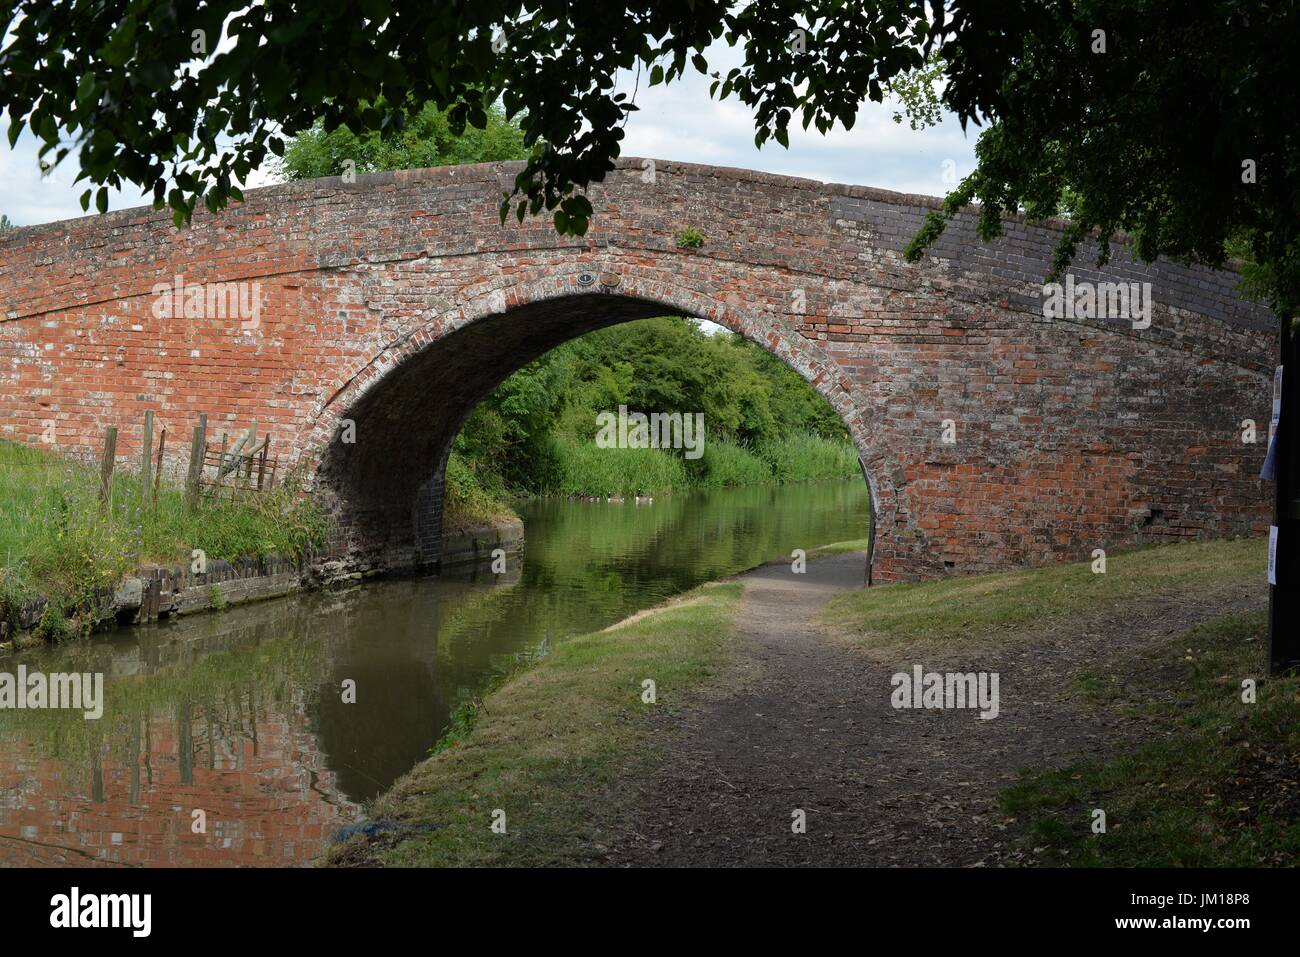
{"x":676,"y":121}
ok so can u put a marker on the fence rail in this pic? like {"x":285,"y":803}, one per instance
{"x":247,"y":467}
{"x":251,"y":470}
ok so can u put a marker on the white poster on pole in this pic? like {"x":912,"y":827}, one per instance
{"x":1272,"y":555}
{"x":1277,"y":404}
{"x":1269,"y":470}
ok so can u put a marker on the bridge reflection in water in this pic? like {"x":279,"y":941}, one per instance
{"x":241,"y":714}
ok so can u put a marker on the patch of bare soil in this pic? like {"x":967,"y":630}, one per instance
{"x":802,"y":721}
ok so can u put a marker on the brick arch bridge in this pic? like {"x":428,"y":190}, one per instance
{"x":398,"y":301}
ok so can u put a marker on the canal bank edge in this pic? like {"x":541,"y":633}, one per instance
{"x":476,"y":544}
{"x":551,"y":752}
{"x":158,"y":591}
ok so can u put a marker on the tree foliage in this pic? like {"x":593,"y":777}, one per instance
{"x":748,"y":396}
{"x":185,"y":98}
{"x":919,"y":93}
{"x":1171,"y":121}
{"x":426,"y":139}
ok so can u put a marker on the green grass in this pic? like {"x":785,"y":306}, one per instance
{"x":809,"y":458}
{"x":723,"y":465}
{"x":567,"y":464}
{"x":1219,"y":786}
{"x":1219,"y":783}
{"x":581,"y":468}
{"x":467,"y":502}
{"x":557,"y":747}
{"x":56,"y":540}
{"x":578,"y":467}
{"x":985,"y":606}
{"x":839,"y":548}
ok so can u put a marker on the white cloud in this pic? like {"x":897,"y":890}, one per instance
{"x":678,"y":121}
{"x":27,"y":197}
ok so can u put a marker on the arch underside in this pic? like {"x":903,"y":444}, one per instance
{"x":386,"y":488}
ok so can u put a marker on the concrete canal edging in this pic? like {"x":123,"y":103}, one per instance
{"x":163,"y":591}
{"x":476,"y":544}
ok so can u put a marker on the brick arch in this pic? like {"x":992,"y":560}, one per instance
{"x":395,"y":516}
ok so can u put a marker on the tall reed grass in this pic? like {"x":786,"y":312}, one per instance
{"x":56,"y":540}
{"x":579,"y":468}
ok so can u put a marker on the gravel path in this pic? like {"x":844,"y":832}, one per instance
{"x":802,"y":720}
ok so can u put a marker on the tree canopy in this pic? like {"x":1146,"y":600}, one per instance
{"x":426,"y":139}
{"x":749,"y":397}
{"x":185,"y":98}
{"x":1172,"y":121}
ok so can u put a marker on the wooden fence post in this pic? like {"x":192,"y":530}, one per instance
{"x":261,"y":468}
{"x":198,"y":447}
{"x":236,"y":462}
{"x":106,"y":465}
{"x":157,"y":475}
{"x":146,"y":459}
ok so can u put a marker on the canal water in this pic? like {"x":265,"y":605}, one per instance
{"x":237,"y":721}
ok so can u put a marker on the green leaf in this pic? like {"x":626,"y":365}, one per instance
{"x":86,"y":90}
{"x":120,"y":45}
{"x":577,"y":206}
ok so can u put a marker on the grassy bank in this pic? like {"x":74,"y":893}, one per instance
{"x":981,"y":607}
{"x":556,"y":748}
{"x":579,"y":467}
{"x":1218,"y":787}
{"x":1218,"y":782}
{"x":568,"y":466}
{"x":469,"y":501}
{"x":56,"y":540}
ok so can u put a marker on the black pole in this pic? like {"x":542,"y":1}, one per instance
{"x":1284,"y":596}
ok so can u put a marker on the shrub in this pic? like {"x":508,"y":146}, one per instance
{"x":688,"y":237}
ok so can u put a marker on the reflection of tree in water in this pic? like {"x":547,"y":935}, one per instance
{"x":609,"y":559}
{"x":412,"y":666}
{"x":400,"y":702}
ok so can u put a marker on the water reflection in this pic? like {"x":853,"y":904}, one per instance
{"x":242,"y":716}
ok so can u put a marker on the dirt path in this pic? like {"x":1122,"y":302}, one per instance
{"x":804,"y":721}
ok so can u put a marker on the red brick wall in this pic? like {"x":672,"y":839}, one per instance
{"x":399,"y":301}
